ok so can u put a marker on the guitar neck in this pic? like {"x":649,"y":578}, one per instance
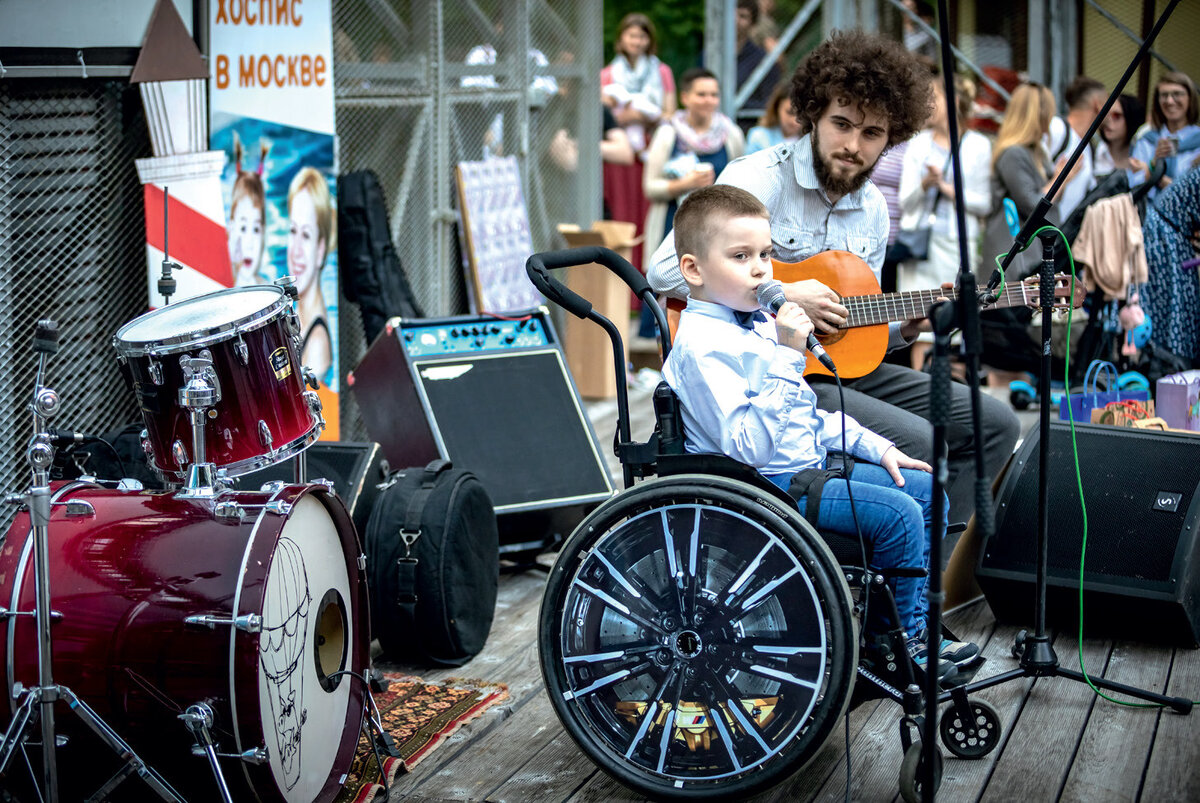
{"x":894,"y":307}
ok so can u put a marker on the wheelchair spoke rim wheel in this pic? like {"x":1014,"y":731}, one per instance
{"x":690,"y":646}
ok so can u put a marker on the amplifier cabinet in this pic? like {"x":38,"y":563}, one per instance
{"x":490,"y":394}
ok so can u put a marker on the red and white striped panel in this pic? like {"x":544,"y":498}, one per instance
{"x":195,"y":214}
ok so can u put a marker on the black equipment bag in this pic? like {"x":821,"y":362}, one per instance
{"x":370,"y":269}
{"x":433,"y":558}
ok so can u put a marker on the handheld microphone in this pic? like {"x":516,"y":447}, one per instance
{"x":770,"y":296}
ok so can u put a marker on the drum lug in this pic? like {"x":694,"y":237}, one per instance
{"x":242,"y":351}
{"x":258,"y":755}
{"x":362,"y":562}
{"x":264,"y":435}
{"x":230,"y":512}
{"x":310,"y":377}
{"x":179,"y":452}
{"x":278,"y":507}
{"x":314,"y":402}
{"x":77,"y":508}
{"x":155,"y":369}
{"x":248,"y":623}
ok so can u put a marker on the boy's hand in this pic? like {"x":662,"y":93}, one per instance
{"x":820,"y":302}
{"x":793,"y":326}
{"x":894,"y":460}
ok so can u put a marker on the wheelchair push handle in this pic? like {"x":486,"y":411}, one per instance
{"x":539,"y":265}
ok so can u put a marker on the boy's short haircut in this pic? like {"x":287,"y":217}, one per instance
{"x":695,"y":221}
{"x":692,"y":75}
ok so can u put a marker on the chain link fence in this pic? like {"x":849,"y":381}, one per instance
{"x":70,"y":249}
{"x":424,"y":84}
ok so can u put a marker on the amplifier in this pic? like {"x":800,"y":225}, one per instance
{"x":490,"y":394}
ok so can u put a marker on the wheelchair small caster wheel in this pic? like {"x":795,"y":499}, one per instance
{"x":1018,"y":647}
{"x":958,"y":737}
{"x":911,"y":773}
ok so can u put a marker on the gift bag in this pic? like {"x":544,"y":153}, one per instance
{"x":1082,"y":404}
{"x":1177,"y":398}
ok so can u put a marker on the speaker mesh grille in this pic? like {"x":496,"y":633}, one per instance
{"x":1123,"y":473}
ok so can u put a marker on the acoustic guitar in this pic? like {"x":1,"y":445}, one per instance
{"x":860,"y":344}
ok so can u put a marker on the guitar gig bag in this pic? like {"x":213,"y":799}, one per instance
{"x":433,"y":562}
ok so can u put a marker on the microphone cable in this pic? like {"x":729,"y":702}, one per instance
{"x":1078,"y":474}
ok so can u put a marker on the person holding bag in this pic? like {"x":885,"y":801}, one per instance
{"x":928,"y":228}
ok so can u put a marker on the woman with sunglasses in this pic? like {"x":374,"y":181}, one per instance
{"x":1174,"y":136}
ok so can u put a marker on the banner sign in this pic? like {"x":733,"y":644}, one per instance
{"x":271,"y":90}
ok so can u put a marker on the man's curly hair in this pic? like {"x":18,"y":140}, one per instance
{"x":876,"y":73}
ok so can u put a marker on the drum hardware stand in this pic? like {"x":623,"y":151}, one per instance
{"x":197,"y":396}
{"x":166,"y":284}
{"x":38,"y":701}
{"x":199,"y":718}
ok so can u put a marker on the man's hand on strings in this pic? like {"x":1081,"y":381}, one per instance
{"x":820,"y":302}
{"x":911,"y":328}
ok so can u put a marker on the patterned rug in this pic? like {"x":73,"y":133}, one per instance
{"x":419,"y":715}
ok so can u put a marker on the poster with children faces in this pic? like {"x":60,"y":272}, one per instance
{"x":272,"y":114}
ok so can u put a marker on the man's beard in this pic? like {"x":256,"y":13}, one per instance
{"x":832,"y":184}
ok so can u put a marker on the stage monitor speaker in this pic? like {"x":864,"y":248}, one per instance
{"x":492,"y":395}
{"x":1141,"y":579}
{"x":355,"y":469}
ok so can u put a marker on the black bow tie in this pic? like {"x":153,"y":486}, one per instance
{"x":746,"y":320}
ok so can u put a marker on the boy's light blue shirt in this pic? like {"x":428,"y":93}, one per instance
{"x":743,"y":395}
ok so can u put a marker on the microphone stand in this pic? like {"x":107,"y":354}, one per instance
{"x":1038,"y":658}
{"x":166,"y":284}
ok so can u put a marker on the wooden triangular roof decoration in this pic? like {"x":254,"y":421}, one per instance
{"x":168,"y":53}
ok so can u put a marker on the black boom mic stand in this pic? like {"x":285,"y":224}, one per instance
{"x":36,"y":703}
{"x":1038,"y":658}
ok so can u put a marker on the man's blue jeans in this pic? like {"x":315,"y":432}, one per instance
{"x":896,"y":524}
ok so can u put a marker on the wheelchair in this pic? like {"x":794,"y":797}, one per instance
{"x":698,"y":638}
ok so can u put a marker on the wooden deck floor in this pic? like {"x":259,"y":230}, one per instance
{"x":1060,"y":741}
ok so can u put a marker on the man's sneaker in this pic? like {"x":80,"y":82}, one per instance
{"x":946,"y":670}
{"x":959,"y":653}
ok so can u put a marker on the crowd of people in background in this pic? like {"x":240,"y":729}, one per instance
{"x":685,"y":146}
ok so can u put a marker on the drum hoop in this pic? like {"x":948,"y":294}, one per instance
{"x":200,"y":338}
{"x":233,"y":631}
{"x":292,"y":494}
{"x":19,"y":577}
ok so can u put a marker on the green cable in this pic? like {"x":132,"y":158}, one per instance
{"x":1078,"y":474}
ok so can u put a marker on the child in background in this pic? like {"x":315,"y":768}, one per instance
{"x":739,"y":379}
{"x":247,"y":219}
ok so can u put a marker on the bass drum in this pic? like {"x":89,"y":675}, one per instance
{"x":251,"y":603}
{"x":697,"y":639}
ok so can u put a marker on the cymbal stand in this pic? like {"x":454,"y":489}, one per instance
{"x":37,"y":702}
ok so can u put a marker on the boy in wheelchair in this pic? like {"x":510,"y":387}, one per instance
{"x":739,"y":380}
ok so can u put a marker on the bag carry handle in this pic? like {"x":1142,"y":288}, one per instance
{"x":1093,"y":376}
{"x":410,"y":533}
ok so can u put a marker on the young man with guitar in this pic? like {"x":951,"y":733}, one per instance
{"x":856,"y":95}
